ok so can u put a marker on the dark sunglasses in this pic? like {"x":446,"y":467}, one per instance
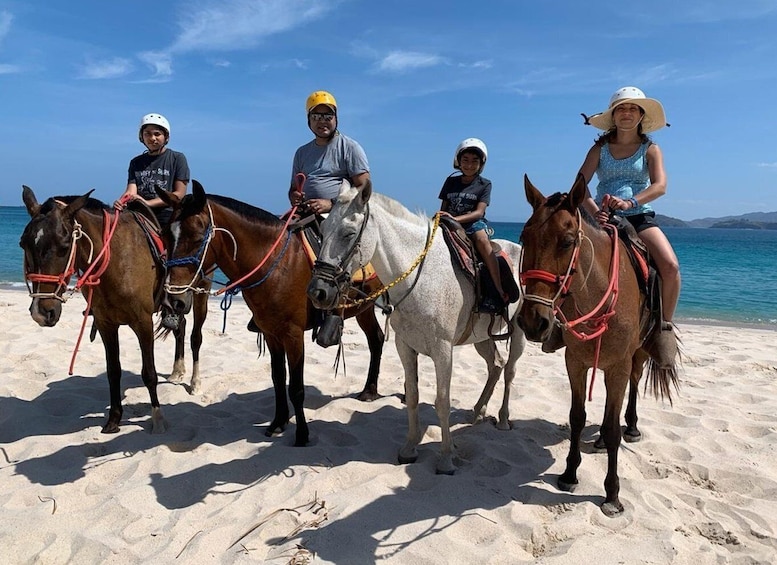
{"x":321,"y":117}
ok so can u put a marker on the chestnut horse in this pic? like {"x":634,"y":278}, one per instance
{"x":67,"y":236}
{"x":578,"y":272}
{"x":211,"y":229}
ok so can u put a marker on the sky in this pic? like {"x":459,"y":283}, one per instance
{"x":412,"y":79}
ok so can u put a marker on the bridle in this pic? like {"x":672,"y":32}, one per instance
{"x":337,"y":275}
{"x":197,"y":259}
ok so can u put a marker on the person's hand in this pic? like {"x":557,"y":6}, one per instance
{"x":319,"y":205}
{"x":122,"y":202}
{"x":296,"y":198}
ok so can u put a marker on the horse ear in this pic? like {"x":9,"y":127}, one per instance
{"x":578,"y":192}
{"x":169,"y":198}
{"x":199,"y":195}
{"x":77,"y":204}
{"x":365,"y":191}
{"x":30,"y":202}
{"x":533,"y":195}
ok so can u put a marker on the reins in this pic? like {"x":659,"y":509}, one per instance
{"x":596,"y":322}
{"x":90,"y":276}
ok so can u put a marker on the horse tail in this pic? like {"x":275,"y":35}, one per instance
{"x":662,"y":380}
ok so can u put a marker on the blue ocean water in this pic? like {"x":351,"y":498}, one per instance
{"x":728,"y":275}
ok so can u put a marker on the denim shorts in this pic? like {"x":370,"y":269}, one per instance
{"x":642,"y":222}
{"x":479,"y":225}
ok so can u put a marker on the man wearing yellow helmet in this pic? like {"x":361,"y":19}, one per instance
{"x":327,"y":160}
{"x":158,"y":166}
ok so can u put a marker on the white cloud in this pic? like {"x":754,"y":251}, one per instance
{"x":239,"y":24}
{"x":401,"y":61}
{"x":5,"y":23}
{"x":6,"y":69}
{"x":113,"y":68}
{"x":768,"y":165}
{"x":477,"y":65}
{"x":160,"y":62}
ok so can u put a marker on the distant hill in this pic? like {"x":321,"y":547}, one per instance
{"x":751,"y":221}
{"x":755,"y":218}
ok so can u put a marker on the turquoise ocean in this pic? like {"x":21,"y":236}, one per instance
{"x":729,"y":276}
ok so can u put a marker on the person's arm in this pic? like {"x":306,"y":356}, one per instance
{"x":129,"y":194}
{"x":478,"y":213}
{"x":587,"y":169}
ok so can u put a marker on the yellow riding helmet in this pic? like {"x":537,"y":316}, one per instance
{"x":320,"y":97}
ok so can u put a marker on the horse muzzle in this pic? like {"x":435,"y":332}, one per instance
{"x":46,"y":312}
{"x":536,"y":321}
{"x":326,"y":286}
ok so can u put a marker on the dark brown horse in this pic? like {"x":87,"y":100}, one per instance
{"x":209,"y":229}
{"x":64,"y":238}
{"x":578,"y":273}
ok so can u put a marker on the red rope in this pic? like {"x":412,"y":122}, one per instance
{"x":290,"y":216}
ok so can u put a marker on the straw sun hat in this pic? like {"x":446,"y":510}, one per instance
{"x":653,"y":119}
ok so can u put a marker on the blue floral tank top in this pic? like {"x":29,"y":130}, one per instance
{"x":624,"y":178}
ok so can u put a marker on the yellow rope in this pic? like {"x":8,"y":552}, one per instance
{"x":401,"y":277}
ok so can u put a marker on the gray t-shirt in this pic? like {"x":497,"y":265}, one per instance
{"x":326,"y":166}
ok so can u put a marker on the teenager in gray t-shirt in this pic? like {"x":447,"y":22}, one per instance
{"x":327,"y":160}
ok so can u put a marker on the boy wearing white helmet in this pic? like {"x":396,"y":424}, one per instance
{"x":158,"y":166}
{"x":465,"y":198}
{"x":327,"y":160}
{"x":630,"y":169}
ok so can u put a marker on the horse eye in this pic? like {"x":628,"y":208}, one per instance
{"x":567,"y":243}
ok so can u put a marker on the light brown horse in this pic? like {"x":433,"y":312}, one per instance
{"x":65,"y":238}
{"x":578,"y":272}
{"x":211,"y":229}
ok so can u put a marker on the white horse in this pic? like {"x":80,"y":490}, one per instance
{"x":433,"y":301}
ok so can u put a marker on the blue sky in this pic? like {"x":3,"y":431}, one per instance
{"x":412,"y":78}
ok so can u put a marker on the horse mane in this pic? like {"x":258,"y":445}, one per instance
{"x":92,"y":204}
{"x":397,"y":210}
{"x":247,"y":211}
{"x":554,"y":200}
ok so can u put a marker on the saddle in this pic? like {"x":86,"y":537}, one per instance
{"x":466,"y":258}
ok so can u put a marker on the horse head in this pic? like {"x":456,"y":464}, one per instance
{"x":48,"y":243}
{"x":346,"y":246}
{"x":550,"y":240}
{"x":186,"y":238}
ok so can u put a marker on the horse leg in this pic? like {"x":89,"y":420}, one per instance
{"x":409,"y":357}
{"x":487,"y":350}
{"x":517,"y":345}
{"x":296,"y":355}
{"x":372,"y":330}
{"x":145,"y":334}
{"x":110,"y":338}
{"x":200,"y":313}
{"x":577,"y":380}
{"x":632,"y":433}
{"x":278,"y":372}
{"x":615,"y":382}
{"x":443,"y":366}
{"x":179,"y":361}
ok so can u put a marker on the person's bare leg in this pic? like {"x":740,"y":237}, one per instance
{"x":668,"y":267}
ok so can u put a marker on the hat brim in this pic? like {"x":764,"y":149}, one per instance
{"x":654,"y":118}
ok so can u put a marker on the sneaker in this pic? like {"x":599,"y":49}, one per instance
{"x":555,"y":341}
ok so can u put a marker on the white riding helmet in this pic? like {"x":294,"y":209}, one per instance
{"x":471,"y":143}
{"x":155,"y":120}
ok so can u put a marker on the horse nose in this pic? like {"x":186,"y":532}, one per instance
{"x":181,"y":304}
{"x":535,"y":326}
{"x":318,"y":295}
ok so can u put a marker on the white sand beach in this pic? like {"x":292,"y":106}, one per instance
{"x":700,"y":488}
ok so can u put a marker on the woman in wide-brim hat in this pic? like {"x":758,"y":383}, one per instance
{"x":630,"y":169}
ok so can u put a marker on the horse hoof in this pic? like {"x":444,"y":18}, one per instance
{"x":611,"y":509}
{"x":368,"y":395}
{"x":632,"y":436}
{"x":110,"y":428}
{"x":599,"y":444}
{"x":565,"y":486}
{"x":405,"y":460}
